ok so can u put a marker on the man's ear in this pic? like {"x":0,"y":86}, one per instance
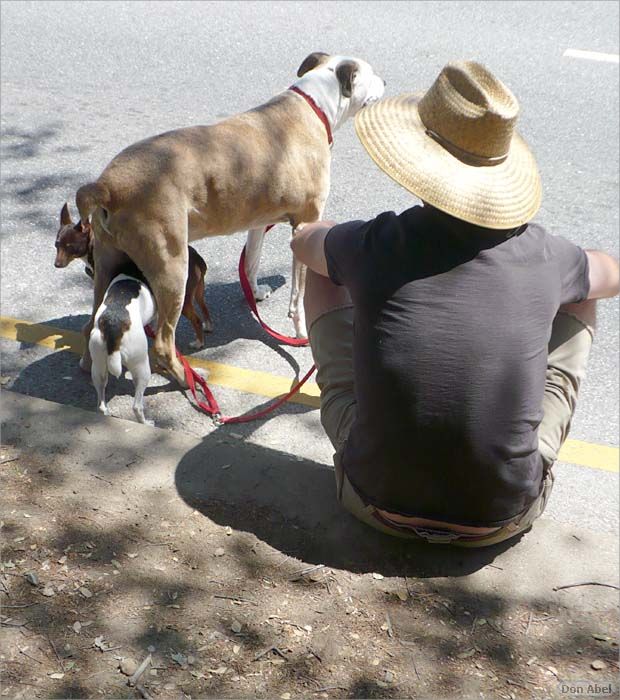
{"x":65,"y":216}
{"x":311,"y":62}
{"x":345,"y":72}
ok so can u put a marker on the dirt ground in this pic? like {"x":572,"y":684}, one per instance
{"x":92,"y":585}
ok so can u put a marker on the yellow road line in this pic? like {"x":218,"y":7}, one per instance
{"x":264,"y":384}
{"x":249,"y":381}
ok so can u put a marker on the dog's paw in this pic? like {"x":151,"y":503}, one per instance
{"x":262,"y":291}
{"x":196,"y":345}
{"x":128,"y":376}
{"x":300,"y":326}
{"x":207,"y":326}
{"x":148,"y":422}
{"x":104,"y":410}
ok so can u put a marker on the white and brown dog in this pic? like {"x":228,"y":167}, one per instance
{"x":118,"y":338}
{"x":265,"y":166}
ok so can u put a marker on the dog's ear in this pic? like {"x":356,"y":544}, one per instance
{"x":345,"y":72}
{"x":311,"y":62}
{"x":65,"y":216}
{"x":83,"y":226}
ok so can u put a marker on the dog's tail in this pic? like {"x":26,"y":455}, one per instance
{"x":115,"y":365}
{"x":91,"y":196}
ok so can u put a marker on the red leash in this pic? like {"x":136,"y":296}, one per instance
{"x":195,"y":380}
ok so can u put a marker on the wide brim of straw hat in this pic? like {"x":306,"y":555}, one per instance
{"x":500,"y":196}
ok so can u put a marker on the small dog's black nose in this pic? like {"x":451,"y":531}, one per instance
{"x":384,"y":83}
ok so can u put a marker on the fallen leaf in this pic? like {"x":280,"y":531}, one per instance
{"x":219,"y":552}
{"x":57,"y":676}
{"x":236,"y":649}
{"x":77,"y":627}
{"x":62,"y":560}
{"x":553,"y":670}
{"x":85,"y":592}
{"x":286,"y":696}
{"x":466,"y":654}
{"x":32,"y":578}
{"x":598,"y":665}
{"x":236,"y":626}
{"x":98,"y":642}
{"x":402,"y":595}
{"x":601,"y":637}
{"x":132,"y":555}
{"x":378,"y":576}
{"x":128,"y":666}
{"x":220,"y":671}
{"x":181,"y":659}
{"x":48,"y":591}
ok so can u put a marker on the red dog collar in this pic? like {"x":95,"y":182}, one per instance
{"x":317,"y":110}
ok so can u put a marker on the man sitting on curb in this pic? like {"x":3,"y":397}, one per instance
{"x":450,"y":340}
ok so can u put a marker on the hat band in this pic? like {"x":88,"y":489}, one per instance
{"x":465,"y":156}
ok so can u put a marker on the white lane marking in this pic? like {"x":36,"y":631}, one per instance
{"x":591,"y":55}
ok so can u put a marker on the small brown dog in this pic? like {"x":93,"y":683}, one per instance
{"x":75,"y":241}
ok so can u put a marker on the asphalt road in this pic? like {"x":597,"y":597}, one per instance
{"x":80,"y":81}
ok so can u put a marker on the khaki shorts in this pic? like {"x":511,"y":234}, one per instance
{"x":331,"y":339}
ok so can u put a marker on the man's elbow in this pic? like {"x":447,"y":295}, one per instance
{"x":604,"y":275}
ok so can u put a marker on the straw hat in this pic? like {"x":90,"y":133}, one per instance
{"x":456,"y":147}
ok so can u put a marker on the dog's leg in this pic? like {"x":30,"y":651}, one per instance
{"x":298,"y":286}
{"x":159,"y":249}
{"x":190,"y":314}
{"x":141,"y":373}
{"x":168,"y":292}
{"x":199,"y":296}
{"x":99,"y":375}
{"x":253,"y":249}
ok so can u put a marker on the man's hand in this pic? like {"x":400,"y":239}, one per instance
{"x":604,"y":275}
{"x":308,"y":245}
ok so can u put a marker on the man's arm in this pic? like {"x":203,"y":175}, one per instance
{"x":604,"y":275}
{"x":308,"y":245}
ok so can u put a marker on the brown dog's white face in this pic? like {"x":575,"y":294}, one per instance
{"x":72,"y":240}
{"x":357,"y":81}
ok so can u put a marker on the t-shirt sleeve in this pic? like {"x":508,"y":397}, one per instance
{"x":573,"y":268}
{"x":344,"y":245}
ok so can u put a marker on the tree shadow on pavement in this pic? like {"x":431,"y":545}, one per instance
{"x":214,"y":577}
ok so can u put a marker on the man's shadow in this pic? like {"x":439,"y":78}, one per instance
{"x":291,"y":505}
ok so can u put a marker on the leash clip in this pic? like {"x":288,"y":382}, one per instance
{"x":217,"y":420}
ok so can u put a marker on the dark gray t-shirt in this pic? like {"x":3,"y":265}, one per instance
{"x":452,"y":323}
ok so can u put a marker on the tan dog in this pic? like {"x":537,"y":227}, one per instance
{"x":268,"y":165}
{"x":75,"y":241}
